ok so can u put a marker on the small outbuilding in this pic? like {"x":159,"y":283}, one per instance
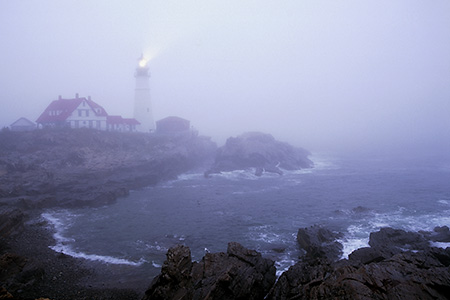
{"x":117,"y":123}
{"x":173,"y":125}
{"x":23,"y":124}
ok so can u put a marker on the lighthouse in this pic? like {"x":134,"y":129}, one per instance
{"x":142,"y":101}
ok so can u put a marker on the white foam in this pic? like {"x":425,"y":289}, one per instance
{"x":323,"y":161}
{"x":283,"y":265}
{"x":67,"y":250}
{"x":357,"y":237}
{"x":190,"y":176}
{"x":298,"y":172}
{"x":237,"y":174}
{"x":440,"y":244}
{"x":63,"y":243}
{"x":443,"y":201}
{"x":351,"y":244}
{"x":156,"y":265}
{"x":146,"y":246}
{"x":265,"y":234}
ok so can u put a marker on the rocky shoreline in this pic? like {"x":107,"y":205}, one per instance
{"x":74,"y":168}
{"x":68,"y":168}
{"x":397,"y":265}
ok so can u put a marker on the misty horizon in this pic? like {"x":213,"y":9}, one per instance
{"x":317,"y":74}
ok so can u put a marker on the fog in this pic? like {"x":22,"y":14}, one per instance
{"x":324,"y":75}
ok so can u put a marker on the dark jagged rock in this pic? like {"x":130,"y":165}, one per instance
{"x":319,"y":243}
{"x":368,"y":255}
{"x":11,"y":221}
{"x":387,"y":242}
{"x":439,"y":234}
{"x":397,"y":240}
{"x":4,"y":294}
{"x":407,"y":275}
{"x":238,"y":274}
{"x":383,"y":271}
{"x":260,"y":151}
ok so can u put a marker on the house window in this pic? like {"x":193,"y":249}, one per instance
{"x":84,"y":103}
{"x":90,"y":124}
{"x":77,"y":124}
{"x":79,"y":112}
{"x":87,"y":113}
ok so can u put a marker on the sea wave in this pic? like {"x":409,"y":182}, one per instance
{"x":63,"y":244}
{"x":67,"y":250}
{"x":190,"y":176}
{"x":357,"y":235}
{"x":324,"y":161}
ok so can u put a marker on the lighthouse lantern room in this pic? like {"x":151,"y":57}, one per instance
{"x":142,"y":100}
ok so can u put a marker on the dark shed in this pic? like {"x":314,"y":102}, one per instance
{"x":172,"y":125}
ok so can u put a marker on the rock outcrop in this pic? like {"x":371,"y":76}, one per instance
{"x":71,"y":168}
{"x":238,"y":274}
{"x":319,"y":243}
{"x":260,"y":151}
{"x":398,"y":265}
{"x":405,"y":275}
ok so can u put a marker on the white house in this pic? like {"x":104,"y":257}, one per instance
{"x":78,"y":113}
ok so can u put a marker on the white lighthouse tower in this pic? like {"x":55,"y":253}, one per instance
{"x":142,"y":101}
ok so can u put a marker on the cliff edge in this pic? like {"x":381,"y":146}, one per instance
{"x":69,"y":168}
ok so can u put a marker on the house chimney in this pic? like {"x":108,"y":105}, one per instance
{"x":59,"y":97}
{"x":76,"y":96}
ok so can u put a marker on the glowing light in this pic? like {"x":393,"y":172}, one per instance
{"x":142,"y":62}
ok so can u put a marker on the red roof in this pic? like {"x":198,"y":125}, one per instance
{"x":119,"y":120}
{"x":131,"y":121}
{"x":114,"y":120}
{"x":65,"y":107}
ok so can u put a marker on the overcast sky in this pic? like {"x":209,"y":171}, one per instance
{"x":318,"y":74}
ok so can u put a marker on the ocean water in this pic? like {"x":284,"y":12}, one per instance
{"x":348,"y":195}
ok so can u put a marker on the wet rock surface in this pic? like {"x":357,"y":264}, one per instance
{"x":320,"y":243}
{"x":386,"y":270}
{"x":260,"y":151}
{"x":239,"y":273}
{"x":398,"y":265}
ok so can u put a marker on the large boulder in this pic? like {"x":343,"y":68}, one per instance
{"x":390,"y":241}
{"x":260,"y":151}
{"x":397,"y":239}
{"x":439,"y":234}
{"x":319,"y":243}
{"x":239,"y":273}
